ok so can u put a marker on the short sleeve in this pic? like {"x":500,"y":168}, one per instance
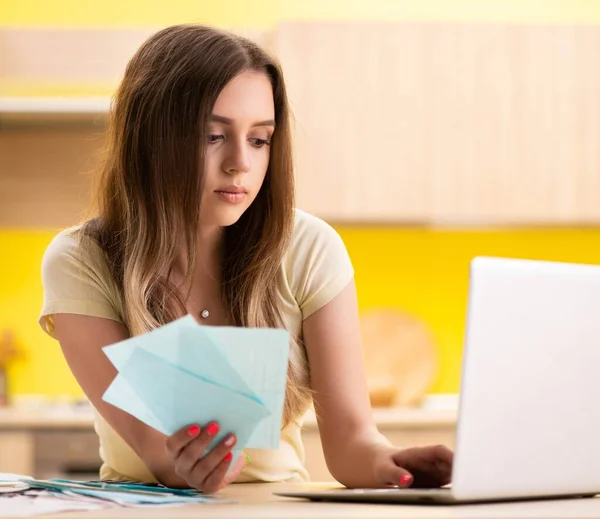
{"x":76,"y":279}
{"x":318,"y":266}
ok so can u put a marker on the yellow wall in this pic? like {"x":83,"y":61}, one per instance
{"x":42,"y":369}
{"x":420,"y":271}
{"x":423,"y":272}
{"x":266,"y":13}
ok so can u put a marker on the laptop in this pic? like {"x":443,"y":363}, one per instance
{"x":529,"y":408}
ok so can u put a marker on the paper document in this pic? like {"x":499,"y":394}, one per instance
{"x":185,"y":373}
{"x":31,"y":496}
{"x":29,"y":506}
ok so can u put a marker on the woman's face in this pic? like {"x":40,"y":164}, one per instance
{"x":237,"y":148}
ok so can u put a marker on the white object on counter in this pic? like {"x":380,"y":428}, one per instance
{"x":10,"y":483}
{"x":29,"y":506}
{"x":440,"y":401}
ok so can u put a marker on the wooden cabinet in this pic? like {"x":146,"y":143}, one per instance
{"x":433,"y":124}
{"x":517,"y":126}
{"x":45,"y":175}
{"x":357,"y":159}
{"x":71,"y":452}
{"x":48,"y":443}
{"x":16,"y":452}
{"x":446,"y":123}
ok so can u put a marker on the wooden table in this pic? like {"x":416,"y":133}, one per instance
{"x":256,"y":501}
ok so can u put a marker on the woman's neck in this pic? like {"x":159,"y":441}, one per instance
{"x":209,"y":251}
{"x":200,"y":289}
{"x":208,"y":254}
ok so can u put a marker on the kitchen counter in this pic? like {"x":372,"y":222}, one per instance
{"x":60,"y":418}
{"x":61,"y":442}
{"x":47,"y":418}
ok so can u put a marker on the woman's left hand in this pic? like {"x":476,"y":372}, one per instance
{"x":421,"y":467}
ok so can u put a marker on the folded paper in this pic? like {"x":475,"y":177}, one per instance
{"x":185,"y":373}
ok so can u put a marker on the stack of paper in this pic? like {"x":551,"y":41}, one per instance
{"x":11,"y":483}
{"x":183,"y":373}
{"x":42,"y":503}
{"x":26,"y":496}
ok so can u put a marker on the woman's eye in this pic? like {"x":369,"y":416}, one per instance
{"x":259,"y":143}
{"x":215,"y":138}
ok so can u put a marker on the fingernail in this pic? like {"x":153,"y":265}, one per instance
{"x":194,"y":430}
{"x":405,"y":479}
{"x":212,"y":429}
{"x":230,"y":440}
{"x":228,"y":456}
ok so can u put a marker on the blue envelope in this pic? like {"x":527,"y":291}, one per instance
{"x":183,"y":373}
{"x":176,"y":395}
{"x":261,"y":359}
{"x":183,"y":343}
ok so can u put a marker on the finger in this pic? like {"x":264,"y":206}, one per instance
{"x":443,"y":472}
{"x":177,"y":441}
{"x":438,"y":460}
{"x":441,"y":460}
{"x":216,"y":479}
{"x":444,"y":468}
{"x":445,"y":478}
{"x":428,"y":465}
{"x":206,"y":464}
{"x":394,"y":475}
{"x":235,"y":471}
{"x":443,"y":454}
{"x":194,"y":450}
{"x":424,"y":458}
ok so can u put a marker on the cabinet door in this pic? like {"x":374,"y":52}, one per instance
{"x":357,"y":97}
{"x":78,"y":60}
{"x":45,"y":176}
{"x":515,"y":124}
{"x":577,"y":127}
{"x":445,"y":123}
{"x":17,"y":452}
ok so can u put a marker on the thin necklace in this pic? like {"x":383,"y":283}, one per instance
{"x":205,"y":313}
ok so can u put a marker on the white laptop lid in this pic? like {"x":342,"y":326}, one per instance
{"x":530,"y":394}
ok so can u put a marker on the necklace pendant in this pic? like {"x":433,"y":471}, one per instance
{"x":204,"y":314}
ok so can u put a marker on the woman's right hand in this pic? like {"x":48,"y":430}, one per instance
{"x":203,"y":470}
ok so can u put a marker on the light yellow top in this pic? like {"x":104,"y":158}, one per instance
{"x":316,"y":267}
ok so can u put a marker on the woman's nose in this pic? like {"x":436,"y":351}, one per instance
{"x":238,"y":159}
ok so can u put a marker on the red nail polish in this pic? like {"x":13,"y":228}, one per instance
{"x":228,"y":456}
{"x":405,"y":479}
{"x":194,"y":430}
{"x":212,"y":429}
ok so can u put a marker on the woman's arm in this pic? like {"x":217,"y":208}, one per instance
{"x":178,"y":461}
{"x":357,"y":455}
{"x":82,"y":339}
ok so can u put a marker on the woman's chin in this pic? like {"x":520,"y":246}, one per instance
{"x":227,"y":216}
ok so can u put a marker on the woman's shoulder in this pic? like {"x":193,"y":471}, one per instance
{"x":72,"y":248}
{"x":317,"y":264}
{"x":66,"y":240}
{"x":310,"y":231}
{"x":76,"y":279}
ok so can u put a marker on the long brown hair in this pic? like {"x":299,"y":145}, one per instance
{"x":148,"y":194}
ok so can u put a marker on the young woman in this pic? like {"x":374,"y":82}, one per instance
{"x":195,"y":215}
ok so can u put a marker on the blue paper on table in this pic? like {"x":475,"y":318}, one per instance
{"x":183,"y":373}
{"x":121,"y":493}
